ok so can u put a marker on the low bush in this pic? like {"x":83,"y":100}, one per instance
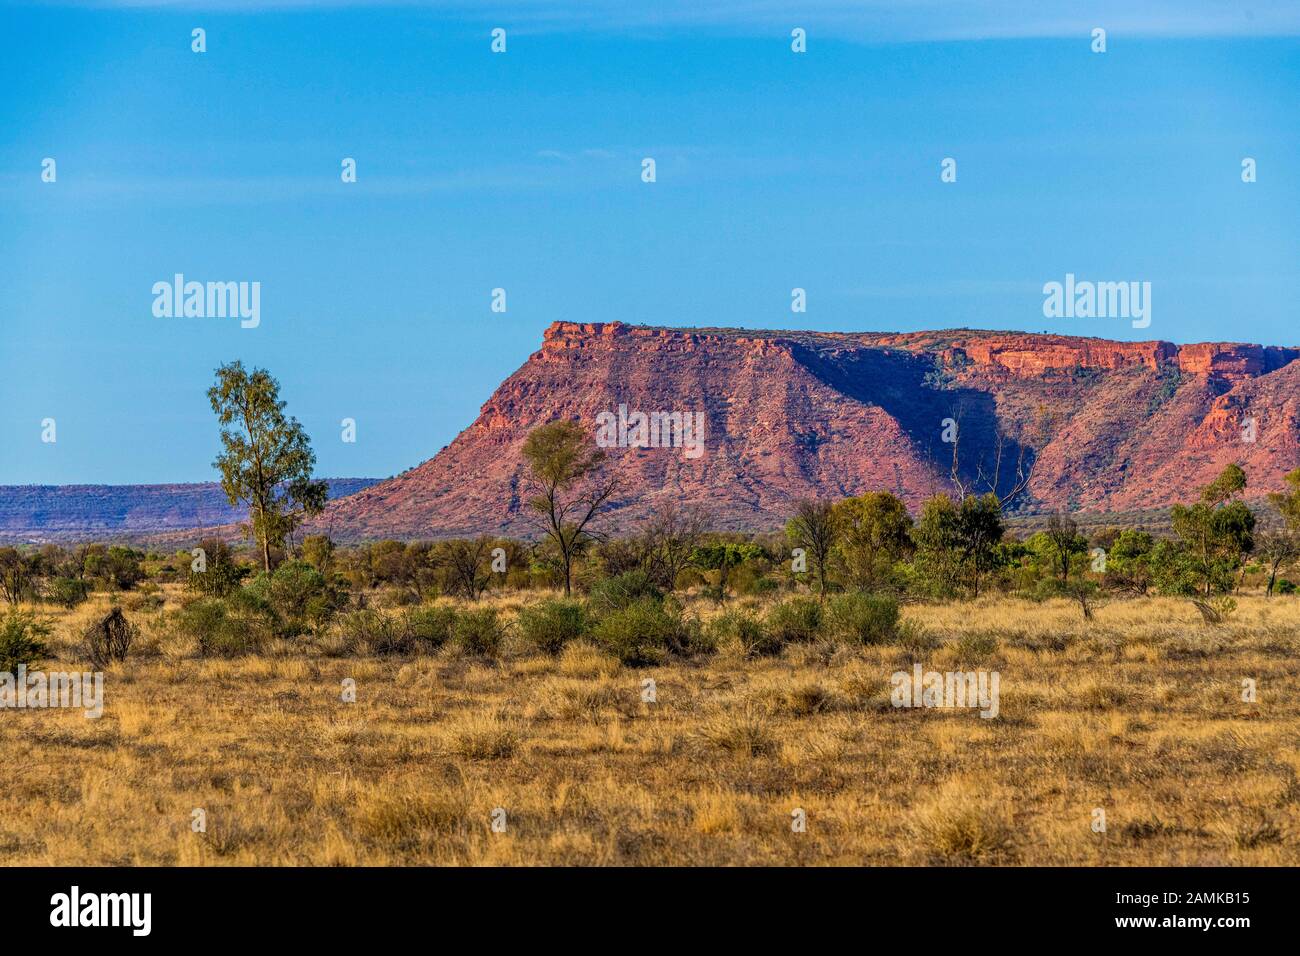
{"x":109,"y":639}
{"x":431,"y":626}
{"x":747,"y":632}
{"x":22,"y":640}
{"x":646,"y":631}
{"x":621,"y":591}
{"x":479,"y":632}
{"x":795,"y":620}
{"x":376,"y":632}
{"x":410,"y":632}
{"x":228,"y":627}
{"x":298,"y":594}
{"x":859,"y":618}
{"x":67,"y":592}
{"x":551,"y":625}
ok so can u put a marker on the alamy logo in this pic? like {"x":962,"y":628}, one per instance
{"x":210,"y":300}
{"x":635,"y":429}
{"x":39,"y":690}
{"x":1098,"y":300}
{"x":953,"y":689}
{"x":103,"y":909}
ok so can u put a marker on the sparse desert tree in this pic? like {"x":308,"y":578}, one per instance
{"x":813,"y":528}
{"x":1003,"y":470}
{"x":267,"y":459}
{"x":873,"y":535}
{"x":1064,"y":542}
{"x":1128,"y":562}
{"x":566,"y":491}
{"x":1217,"y":531}
{"x":220,"y":573}
{"x":116,"y":567}
{"x":669,"y":538}
{"x":1288,"y":501}
{"x":17,"y":574}
{"x":1278,"y":549}
{"x":466,"y":564}
{"x":957,"y":542}
{"x":318,"y":551}
{"x":1281,"y":547}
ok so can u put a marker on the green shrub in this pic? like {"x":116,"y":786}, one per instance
{"x":1045,"y":589}
{"x":298,"y":594}
{"x":796,"y":620}
{"x":479,"y":632}
{"x":1286,"y":587}
{"x":749,"y":633}
{"x":22,"y":640}
{"x":646,"y":631}
{"x":550,"y":625}
{"x":860,"y":618}
{"x":225,"y":628}
{"x":622,"y":590}
{"x":67,"y":592}
{"x":414,"y":630}
{"x":221,"y":574}
{"x":376,"y":631}
{"x":430,"y":626}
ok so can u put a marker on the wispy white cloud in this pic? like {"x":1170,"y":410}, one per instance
{"x":857,"y":20}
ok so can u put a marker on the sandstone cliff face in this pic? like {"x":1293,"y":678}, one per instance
{"x":1112,"y":425}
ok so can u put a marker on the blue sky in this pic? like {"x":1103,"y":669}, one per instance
{"x":522,"y":171}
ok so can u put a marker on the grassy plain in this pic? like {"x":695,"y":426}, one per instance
{"x":1138,"y":713}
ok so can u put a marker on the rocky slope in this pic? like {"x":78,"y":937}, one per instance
{"x":1111,"y":426}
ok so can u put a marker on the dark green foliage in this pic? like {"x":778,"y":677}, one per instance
{"x":1129,"y":562}
{"x":611,"y":594}
{"x":229,"y":627}
{"x":298,"y":594}
{"x":115,"y":568}
{"x":220,"y":574}
{"x":859,"y":618}
{"x":22,"y":640}
{"x":430,"y":627}
{"x":873,"y":536}
{"x":722,"y":557}
{"x":550,"y":625}
{"x":796,"y":620}
{"x":478,"y":632}
{"x":957,"y":543}
{"x":1216,"y":533}
{"x":647,"y":631}
{"x":67,"y":592}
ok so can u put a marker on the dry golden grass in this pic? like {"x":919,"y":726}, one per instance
{"x":1138,"y":713}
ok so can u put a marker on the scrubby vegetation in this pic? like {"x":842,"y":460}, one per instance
{"x":840,"y":572}
{"x":698,"y":685}
{"x":540,"y":706}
